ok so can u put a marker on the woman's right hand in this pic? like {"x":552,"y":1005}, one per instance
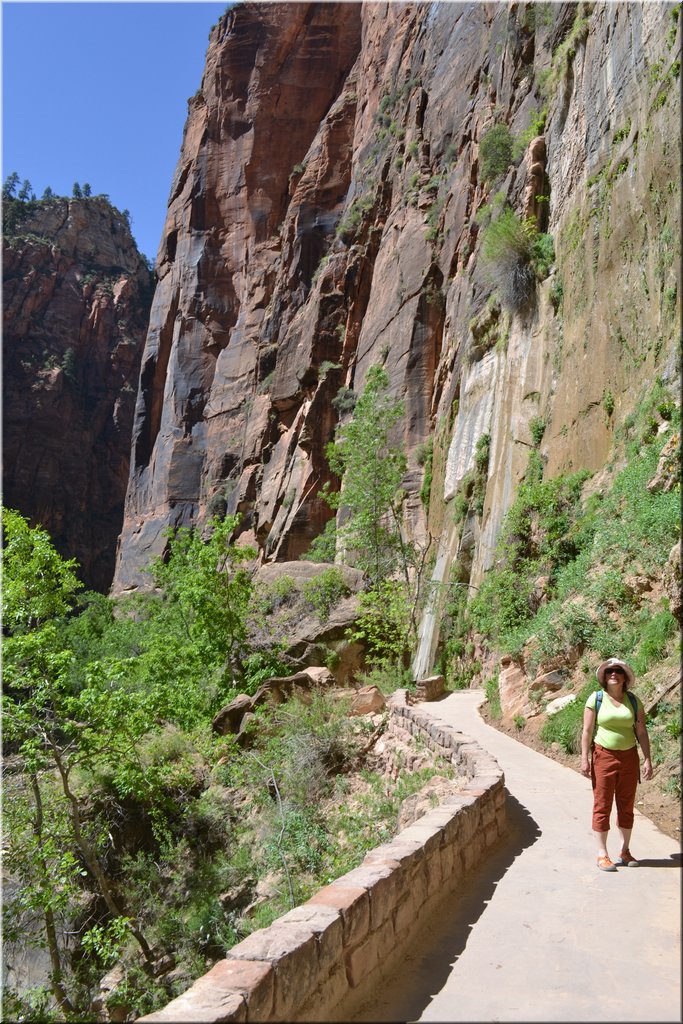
{"x":585,"y":767}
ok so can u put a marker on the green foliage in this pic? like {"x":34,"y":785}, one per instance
{"x":608,"y":402}
{"x":325,"y":591}
{"x":508,"y":253}
{"x":564,"y":55}
{"x":537,"y":428}
{"x":371,"y":468}
{"x":345,"y":400}
{"x":536,"y":540}
{"x":425,"y":457}
{"x":577,"y":556}
{"x":492,"y":691}
{"x":535,"y":128}
{"x":565,"y":727}
{"x":37,"y":583}
{"x":385,"y":624}
{"x":323,"y":547}
{"x":495,"y":152}
{"x":210,"y":587}
{"x":655,"y":637}
{"x":542,"y":254}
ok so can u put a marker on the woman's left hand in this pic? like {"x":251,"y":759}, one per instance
{"x":647,"y":769}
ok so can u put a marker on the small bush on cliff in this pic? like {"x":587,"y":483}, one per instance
{"x":495,"y":152}
{"x":507,"y":253}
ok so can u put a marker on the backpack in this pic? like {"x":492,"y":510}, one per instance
{"x":598,"y":702}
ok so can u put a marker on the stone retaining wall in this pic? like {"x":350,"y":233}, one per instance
{"x":321,"y":960}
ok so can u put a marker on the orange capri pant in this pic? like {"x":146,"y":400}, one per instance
{"x":615,"y":775}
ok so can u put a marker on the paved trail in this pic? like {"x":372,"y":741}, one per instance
{"x":537,"y":932}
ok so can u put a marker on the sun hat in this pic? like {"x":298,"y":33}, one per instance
{"x":615,"y":663}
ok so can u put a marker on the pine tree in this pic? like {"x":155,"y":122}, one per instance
{"x":26,"y":193}
{"x":10,"y":186}
{"x":76,"y":191}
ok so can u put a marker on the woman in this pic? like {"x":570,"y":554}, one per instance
{"x":615,"y":767}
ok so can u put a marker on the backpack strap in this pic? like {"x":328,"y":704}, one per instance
{"x":598,"y":702}
{"x":634,"y":705}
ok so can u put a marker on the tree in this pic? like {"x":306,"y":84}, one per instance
{"x":26,"y":193}
{"x":76,"y":191}
{"x":210,"y":587}
{"x":371,"y":469}
{"x":87,"y":191}
{"x":48,"y":193}
{"x":54,"y":732}
{"x":10,"y":185}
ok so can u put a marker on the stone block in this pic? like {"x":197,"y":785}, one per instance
{"x":491,"y":833}
{"x":322,"y":1001}
{"x":383,"y":896}
{"x":450,"y":865}
{"x":352,"y":902}
{"x":406,"y":914}
{"x":364,"y":959}
{"x":429,"y":836}
{"x":201,"y":1004}
{"x":433,"y":871}
{"x":327,"y":926}
{"x":472,"y":852}
{"x":293,"y":950}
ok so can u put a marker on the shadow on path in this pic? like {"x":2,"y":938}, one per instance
{"x":674,"y":861}
{"x":422,"y":975}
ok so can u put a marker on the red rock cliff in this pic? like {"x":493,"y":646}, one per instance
{"x":326,"y":215}
{"x":76,"y":302}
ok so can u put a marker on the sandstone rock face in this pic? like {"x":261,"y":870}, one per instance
{"x":76,"y":296}
{"x":308,"y":239}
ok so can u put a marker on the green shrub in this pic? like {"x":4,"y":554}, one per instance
{"x":345,"y":400}
{"x":537,"y":429}
{"x":565,"y":727}
{"x":535,"y":128}
{"x":608,"y":401}
{"x":495,"y":152}
{"x":323,"y":547}
{"x":492,"y":691}
{"x":425,"y":457}
{"x":655,"y":637}
{"x":542,"y":254}
{"x":325,"y":591}
{"x":507,"y":252}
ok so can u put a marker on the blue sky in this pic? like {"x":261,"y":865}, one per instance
{"x":97,"y":93}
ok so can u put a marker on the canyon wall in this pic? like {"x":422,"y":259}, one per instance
{"x":326,"y":215}
{"x":76,"y":297}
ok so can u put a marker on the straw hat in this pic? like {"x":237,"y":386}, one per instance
{"x":615,"y":663}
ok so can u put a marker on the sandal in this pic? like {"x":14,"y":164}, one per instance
{"x":605,"y":864}
{"x":626,"y":860}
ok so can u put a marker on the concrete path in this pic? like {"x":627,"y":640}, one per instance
{"x":537,"y":933}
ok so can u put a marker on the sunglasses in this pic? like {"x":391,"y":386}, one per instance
{"x":616,"y":672}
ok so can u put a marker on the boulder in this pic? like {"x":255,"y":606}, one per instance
{"x":512,"y":687}
{"x":367,"y":700}
{"x":230,"y":717}
{"x":560,"y":702}
{"x":548,"y":682}
{"x":668,"y":472}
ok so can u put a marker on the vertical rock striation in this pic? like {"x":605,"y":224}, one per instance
{"x":327,"y":214}
{"x":76,"y":296}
